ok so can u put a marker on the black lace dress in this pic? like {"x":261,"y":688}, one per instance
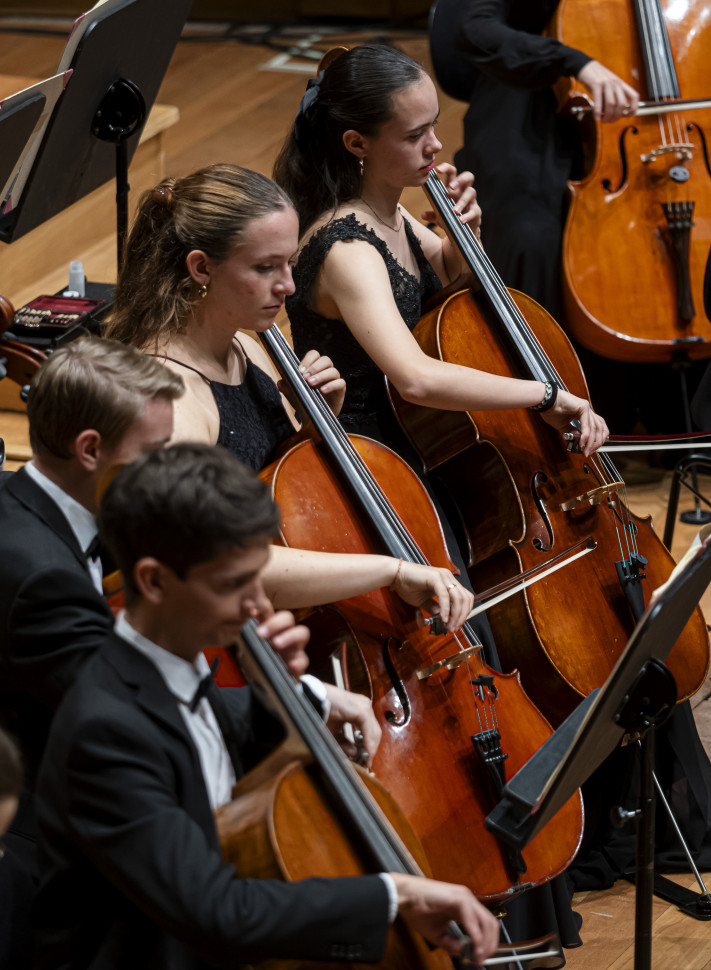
{"x":366,"y":410}
{"x":253,"y":422}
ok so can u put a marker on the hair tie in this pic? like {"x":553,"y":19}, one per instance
{"x":307,"y":108}
{"x":163,"y":194}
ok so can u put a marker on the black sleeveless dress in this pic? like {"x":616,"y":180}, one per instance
{"x":366,"y":409}
{"x":253,"y":422}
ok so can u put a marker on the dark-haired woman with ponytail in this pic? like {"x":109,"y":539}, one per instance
{"x":365,"y":130}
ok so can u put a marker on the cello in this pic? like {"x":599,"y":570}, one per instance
{"x":523,"y":498}
{"x":18,"y":361}
{"x":443,"y":711}
{"x":636,"y":248}
{"x":307,"y":810}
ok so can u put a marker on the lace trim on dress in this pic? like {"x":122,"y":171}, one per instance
{"x":365,"y":388}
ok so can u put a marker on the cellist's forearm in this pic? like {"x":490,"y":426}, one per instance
{"x":295,"y":578}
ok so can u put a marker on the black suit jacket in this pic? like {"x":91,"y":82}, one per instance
{"x":131,"y":871}
{"x":51,"y":617}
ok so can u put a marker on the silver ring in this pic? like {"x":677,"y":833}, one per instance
{"x":452,"y":586}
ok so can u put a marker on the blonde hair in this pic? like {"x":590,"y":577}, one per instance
{"x":208,"y":211}
{"x":93,"y":383}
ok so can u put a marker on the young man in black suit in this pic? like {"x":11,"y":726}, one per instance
{"x":135,"y":765}
{"x":93,"y":404}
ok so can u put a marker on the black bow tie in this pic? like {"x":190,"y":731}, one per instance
{"x":203,"y":686}
{"x":93,"y":550}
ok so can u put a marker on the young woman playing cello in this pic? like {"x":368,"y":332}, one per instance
{"x":208,"y":255}
{"x":364,"y":131}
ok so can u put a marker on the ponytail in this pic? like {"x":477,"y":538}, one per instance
{"x":356,"y":92}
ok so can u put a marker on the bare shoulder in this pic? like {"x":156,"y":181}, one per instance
{"x":353,"y":261}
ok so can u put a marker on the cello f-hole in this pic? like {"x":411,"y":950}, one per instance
{"x":398,"y":686}
{"x":540,"y":479}
{"x":606,"y":184}
{"x":693,"y":126}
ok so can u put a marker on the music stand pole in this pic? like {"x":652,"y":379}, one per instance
{"x":645,"y":856}
{"x":121,"y":112}
{"x":650,"y":703}
{"x":637,"y":697}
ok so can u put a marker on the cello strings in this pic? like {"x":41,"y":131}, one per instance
{"x":408,"y":549}
{"x":357,"y":471}
{"x":354,"y":798}
{"x":484,"y":702}
{"x":533,"y":355}
{"x":527,"y":344}
{"x":517,"y":326}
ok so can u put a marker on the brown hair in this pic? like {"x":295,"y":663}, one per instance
{"x":93,"y":383}
{"x":208,"y":211}
{"x":355,"y":91}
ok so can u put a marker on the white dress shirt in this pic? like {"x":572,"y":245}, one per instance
{"x":182,"y":679}
{"x":80,"y":519}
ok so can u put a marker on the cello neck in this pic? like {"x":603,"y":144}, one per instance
{"x":352,"y":800}
{"x":354,"y":473}
{"x":657,"y":57}
{"x":534,"y":362}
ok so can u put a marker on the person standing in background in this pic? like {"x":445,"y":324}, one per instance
{"x":492,"y":54}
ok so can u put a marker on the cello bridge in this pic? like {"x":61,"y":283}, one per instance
{"x":451,"y":663}
{"x":594,"y":497}
{"x":683,"y":151}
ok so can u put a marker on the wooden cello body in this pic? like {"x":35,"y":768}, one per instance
{"x":305,"y":811}
{"x":454,"y":730}
{"x":636,"y":273}
{"x":524,"y":498}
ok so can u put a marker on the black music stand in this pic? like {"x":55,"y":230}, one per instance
{"x":118,"y":67}
{"x":638,"y":695}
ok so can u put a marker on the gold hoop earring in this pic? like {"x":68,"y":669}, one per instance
{"x":202,"y":290}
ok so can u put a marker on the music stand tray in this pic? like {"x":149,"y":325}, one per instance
{"x":543,"y":785}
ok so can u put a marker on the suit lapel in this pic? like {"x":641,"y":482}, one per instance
{"x":156,"y":701}
{"x":216,"y":703}
{"x":144,"y":679}
{"x":36,"y":500}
